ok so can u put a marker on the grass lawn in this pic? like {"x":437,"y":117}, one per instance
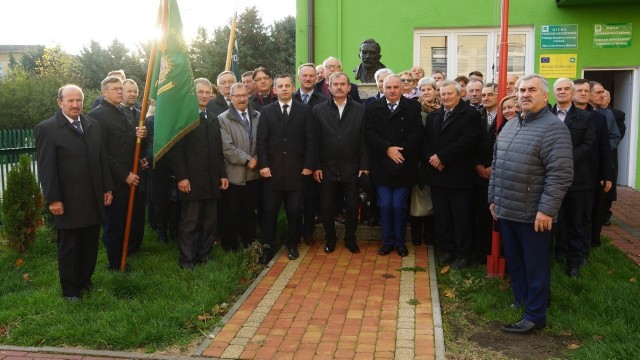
{"x":596,"y":316}
{"x":155,"y":307}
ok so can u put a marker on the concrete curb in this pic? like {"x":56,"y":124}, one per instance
{"x":95,"y":353}
{"x":438,"y":331}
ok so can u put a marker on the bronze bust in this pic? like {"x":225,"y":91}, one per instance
{"x":370,"y":61}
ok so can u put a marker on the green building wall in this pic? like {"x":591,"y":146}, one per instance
{"x":341,"y":25}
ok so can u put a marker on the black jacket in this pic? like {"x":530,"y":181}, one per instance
{"x":354,"y":94}
{"x":198,"y":158}
{"x":401,"y":128}
{"x":218,"y":105}
{"x":455,"y":144}
{"x":339,"y":141}
{"x":315,"y":99}
{"x":73,"y":168}
{"x":285,"y":146}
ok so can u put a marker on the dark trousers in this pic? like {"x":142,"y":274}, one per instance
{"x":528,"y":256}
{"x":310,"y":206}
{"x":482,"y":221}
{"x":163,"y":187}
{"x":452,"y":208}
{"x":574,"y":236}
{"x":273,"y":199}
{"x":77,"y":255}
{"x":197,"y":228}
{"x":240,"y":204}
{"x":328,"y":190}
{"x":597,"y":218}
{"x":116,"y":215}
{"x":394,"y":211}
{"x":612,"y":195}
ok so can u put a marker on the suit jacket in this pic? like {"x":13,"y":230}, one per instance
{"x":354,"y":94}
{"x":237,"y":146}
{"x":583,"y":139}
{"x":601,"y":165}
{"x":257,"y":101}
{"x":401,"y":128}
{"x":120,"y":139}
{"x":218,"y":105}
{"x":373,"y":98}
{"x":198,"y":158}
{"x":455,"y":143}
{"x":315,"y":99}
{"x":73,"y":168}
{"x":285,"y":145}
{"x":619,"y":116}
{"x":341,"y":148}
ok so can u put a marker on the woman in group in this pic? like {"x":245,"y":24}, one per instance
{"x":421,"y":209}
{"x":408,"y":85}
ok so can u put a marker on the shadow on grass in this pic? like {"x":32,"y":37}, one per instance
{"x":596,"y":316}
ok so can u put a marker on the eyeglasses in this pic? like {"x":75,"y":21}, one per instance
{"x":332,"y":67}
{"x":407,"y":80}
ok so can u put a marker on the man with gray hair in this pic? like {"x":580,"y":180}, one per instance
{"x":221,"y":102}
{"x":532,"y":170}
{"x":120,"y":141}
{"x":77,"y":185}
{"x":380,"y":75}
{"x":474,"y":93}
{"x":331,"y":65}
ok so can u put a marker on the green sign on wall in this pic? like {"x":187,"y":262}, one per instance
{"x":559,"y":36}
{"x":612,"y":35}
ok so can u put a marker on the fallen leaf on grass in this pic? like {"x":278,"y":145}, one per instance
{"x":566,"y":333}
{"x":573,"y":346}
{"x":597,"y":338}
{"x":468,"y":282}
{"x":205,"y":317}
{"x":19,"y":262}
{"x":26,"y":277}
{"x":610,"y":272}
{"x":633,"y":280}
{"x":4,"y":331}
{"x":449,"y":293}
{"x":444,"y":270}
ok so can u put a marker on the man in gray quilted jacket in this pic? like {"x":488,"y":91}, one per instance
{"x":532,"y":170}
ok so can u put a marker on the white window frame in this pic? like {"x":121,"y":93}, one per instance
{"x":492,"y":46}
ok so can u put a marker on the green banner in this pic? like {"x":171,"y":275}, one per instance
{"x":559,"y":36}
{"x":612,"y":35}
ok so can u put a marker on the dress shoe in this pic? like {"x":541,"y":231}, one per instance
{"x":460,"y":263}
{"x":385,"y":249}
{"x":573,"y":272}
{"x":353,"y":247}
{"x":127,"y":268}
{"x":523,"y":326}
{"x":293,"y":253}
{"x":309,"y":239}
{"x":402,"y":250}
{"x":265,"y":257}
{"x":330,"y":247}
{"x":445,"y":258}
{"x":416,"y":242}
{"x":72,"y":298}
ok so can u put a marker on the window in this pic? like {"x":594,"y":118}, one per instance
{"x":460,"y":51}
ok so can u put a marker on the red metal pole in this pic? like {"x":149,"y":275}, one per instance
{"x":495,"y":263}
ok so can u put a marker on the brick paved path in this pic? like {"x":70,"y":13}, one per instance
{"x":625,"y":230}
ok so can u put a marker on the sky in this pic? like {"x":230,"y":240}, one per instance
{"x":74,"y":23}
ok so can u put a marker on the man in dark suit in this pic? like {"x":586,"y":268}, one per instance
{"x":220,"y":103}
{"x":612,"y":195}
{"x":307,"y":95}
{"x":75,"y":178}
{"x":285,"y":160}
{"x":120,"y":139}
{"x":393,"y":131}
{"x":264,"y":88}
{"x":198,"y":164}
{"x":453,"y":133}
{"x":332,"y":65}
{"x":574,"y":236}
{"x":343,"y":157}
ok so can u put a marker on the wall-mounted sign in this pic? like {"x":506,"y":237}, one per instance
{"x":612,"y":35}
{"x":559,"y":36}
{"x":555,"y":66}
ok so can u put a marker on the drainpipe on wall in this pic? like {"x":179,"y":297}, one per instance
{"x":311,"y":36}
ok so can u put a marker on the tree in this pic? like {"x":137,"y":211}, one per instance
{"x":94,"y":61}
{"x":28,"y":59}
{"x":282,"y":52}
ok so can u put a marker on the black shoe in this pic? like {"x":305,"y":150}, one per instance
{"x":607,"y":222}
{"x":329,"y":248}
{"x":265,"y":257}
{"x":309,"y":239}
{"x":416,"y":242}
{"x":353,"y":247}
{"x":385,"y":249}
{"x":127,"y":268}
{"x":293,"y":253}
{"x":573,"y":272}
{"x":72,"y":298}
{"x":523,"y":326}
{"x":402,"y":250}
{"x":460,"y":263}
{"x":162,"y":235}
{"x":445,"y":258}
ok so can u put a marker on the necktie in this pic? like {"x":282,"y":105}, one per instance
{"x":203,"y":115}
{"x":247,"y":126}
{"x":392,"y":106}
{"x":446,"y":117}
{"x":562,"y":114}
{"x":305,"y":98}
{"x":284,"y":110}
{"x":76,"y":124}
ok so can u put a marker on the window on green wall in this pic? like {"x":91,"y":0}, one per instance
{"x":460,"y":51}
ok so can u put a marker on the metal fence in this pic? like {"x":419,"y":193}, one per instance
{"x":13,"y":144}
